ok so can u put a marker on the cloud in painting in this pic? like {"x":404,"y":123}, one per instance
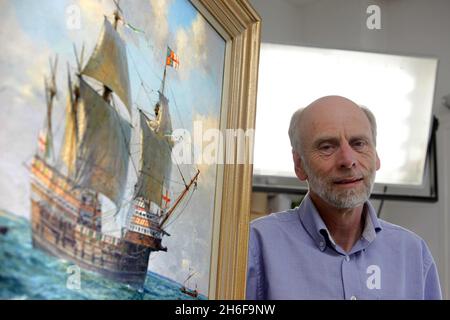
{"x":191,"y":47}
{"x":22,"y":107}
{"x":149,"y":19}
{"x":92,"y":14}
{"x":94,"y":10}
{"x":160,"y":25}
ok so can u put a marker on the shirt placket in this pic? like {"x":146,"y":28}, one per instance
{"x":349,"y":278}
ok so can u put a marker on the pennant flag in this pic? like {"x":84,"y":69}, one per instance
{"x":42,"y":142}
{"x":172,"y":59}
{"x":134,"y":28}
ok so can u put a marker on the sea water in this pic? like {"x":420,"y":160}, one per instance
{"x":29,"y":273}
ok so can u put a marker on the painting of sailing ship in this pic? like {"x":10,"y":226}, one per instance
{"x":95,"y":184}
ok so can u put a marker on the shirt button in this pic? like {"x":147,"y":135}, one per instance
{"x":347,"y":258}
{"x":352,"y":298}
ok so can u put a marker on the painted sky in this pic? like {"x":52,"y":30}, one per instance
{"x":31,"y":32}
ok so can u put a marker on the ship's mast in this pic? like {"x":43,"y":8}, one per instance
{"x":67,"y":153}
{"x":50,"y":94}
{"x":163,"y":83}
{"x":186,"y":282}
{"x":177,"y":202}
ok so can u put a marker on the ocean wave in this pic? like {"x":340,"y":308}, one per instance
{"x":30,"y":274}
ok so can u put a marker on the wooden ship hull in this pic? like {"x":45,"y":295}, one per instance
{"x":57,"y":228}
{"x":189,"y":292}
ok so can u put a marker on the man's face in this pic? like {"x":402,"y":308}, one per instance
{"x":339,"y":159}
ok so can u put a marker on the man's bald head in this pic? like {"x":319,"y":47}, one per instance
{"x":320,"y":106}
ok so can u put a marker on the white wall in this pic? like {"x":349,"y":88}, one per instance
{"x":408,"y":27}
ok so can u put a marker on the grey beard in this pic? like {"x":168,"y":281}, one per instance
{"x":343,"y":200}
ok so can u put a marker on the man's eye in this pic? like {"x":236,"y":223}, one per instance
{"x":326,"y":148}
{"x":359,"y":144}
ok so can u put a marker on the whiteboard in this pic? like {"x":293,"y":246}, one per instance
{"x":399,"y":91}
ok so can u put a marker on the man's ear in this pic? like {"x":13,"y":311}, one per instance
{"x":298,"y":166}
{"x":378,"y":163}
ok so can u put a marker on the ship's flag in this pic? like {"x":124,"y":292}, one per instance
{"x":172,"y":59}
{"x":42,"y":142}
{"x":166,"y":199}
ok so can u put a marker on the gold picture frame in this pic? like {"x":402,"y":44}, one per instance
{"x":240,"y":25}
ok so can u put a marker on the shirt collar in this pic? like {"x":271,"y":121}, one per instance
{"x":318,"y":231}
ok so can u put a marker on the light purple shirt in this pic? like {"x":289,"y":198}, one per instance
{"x":293,"y":256}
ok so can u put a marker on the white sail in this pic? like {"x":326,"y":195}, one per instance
{"x":165,"y":122}
{"x":156,"y":162}
{"x":102,"y":148}
{"x":109,"y":65}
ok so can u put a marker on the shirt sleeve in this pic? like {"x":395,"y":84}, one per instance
{"x":254,"y":280}
{"x":432,"y":288}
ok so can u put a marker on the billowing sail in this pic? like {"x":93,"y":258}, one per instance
{"x":69,"y":146}
{"x":102,"y":149}
{"x":156,"y":163}
{"x":165,"y":125}
{"x":108,"y":63}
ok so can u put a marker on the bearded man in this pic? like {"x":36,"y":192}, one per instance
{"x":333,"y":246}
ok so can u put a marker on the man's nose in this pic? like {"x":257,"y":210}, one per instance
{"x":346,"y":156}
